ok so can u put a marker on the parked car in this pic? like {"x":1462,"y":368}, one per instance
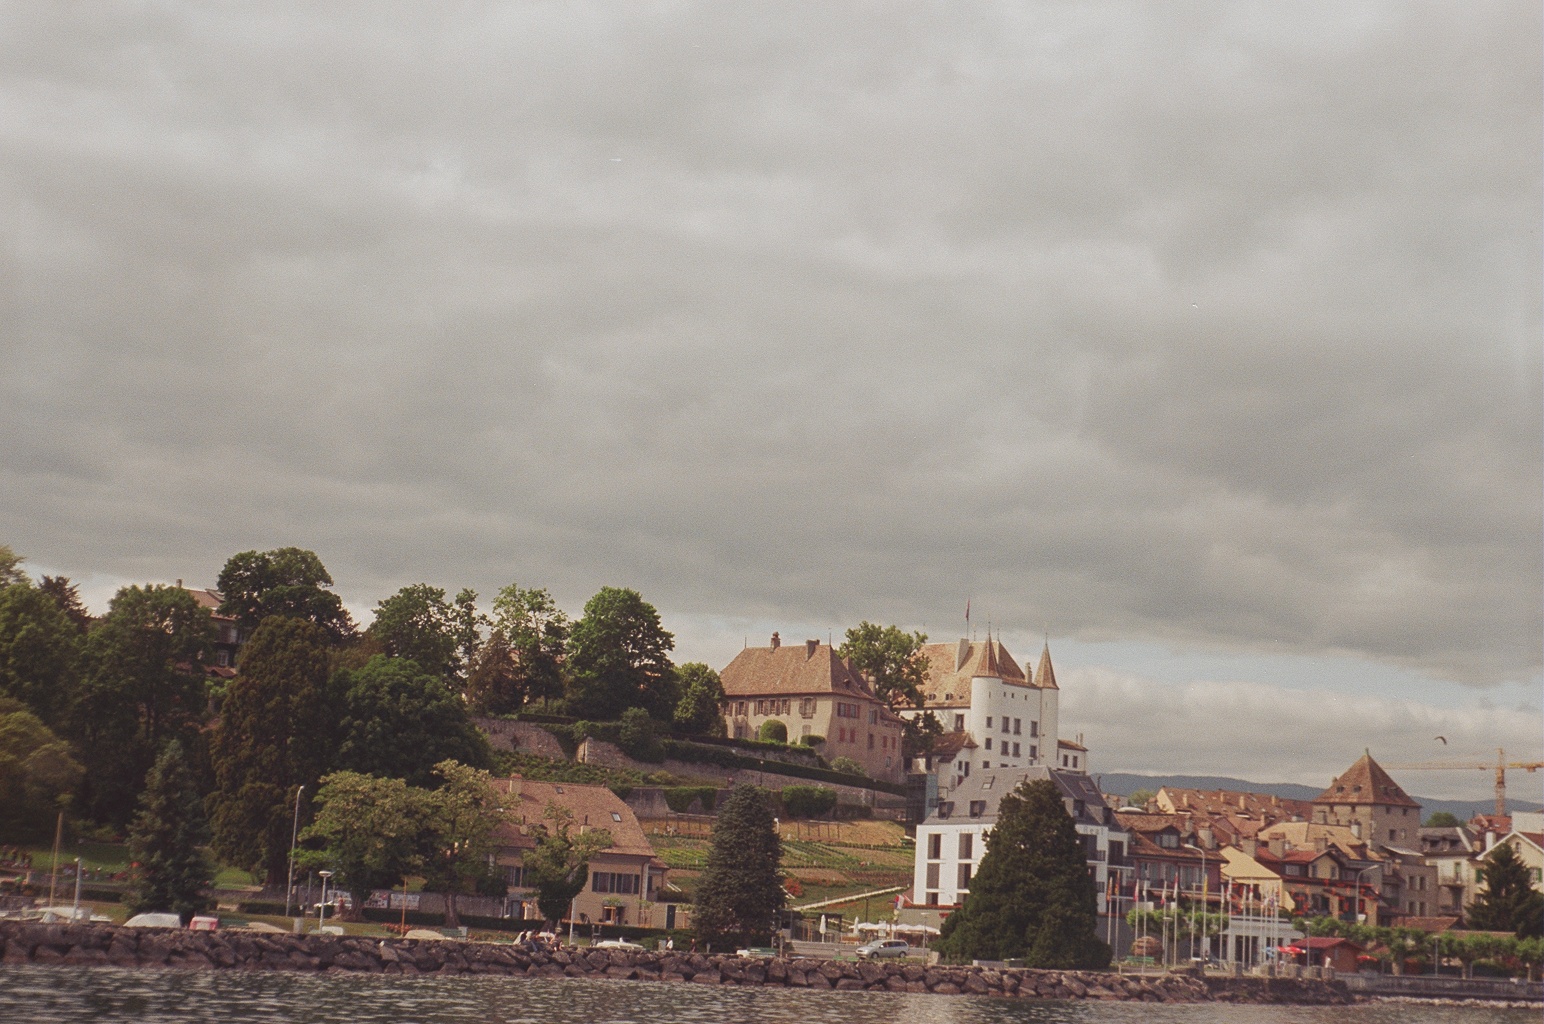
{"x":757,"y":952}
{"x":881,"y":949}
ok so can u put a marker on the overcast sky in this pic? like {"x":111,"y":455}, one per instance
{"x":1202,"y":338}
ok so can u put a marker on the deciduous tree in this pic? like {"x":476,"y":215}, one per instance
{"x":400,"y":721}
{"x":522,"y":660}
{"x":166,"y":839}
{"x":369,"y":830}
{"x":699,"y":709}
{"x":740,"y":891}
{"x":1032,"y":897}
{"x":417,"y":623}
{"x":461,"y":822}
{"x":559,"y":866}
{"x":38,"y":773}
{"x":289,"y":582}
{"x":276,"y":732}
{"x":143,"y":686}
{"x":891,"y":660}
{"x":40,"y":651}
{"x":619,"y":658}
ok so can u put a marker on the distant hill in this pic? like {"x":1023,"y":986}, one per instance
{"x":1123,"y":784}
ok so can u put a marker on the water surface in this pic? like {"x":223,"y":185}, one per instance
{"x":79,"y":994}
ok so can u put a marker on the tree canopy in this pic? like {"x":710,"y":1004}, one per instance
{"x":522,"y":659}
{"x":1442,"y":819}
{"x":698,"y":711}
{"x":398,"y":720}
{"x":1032,"y":897}
{"x":276,"y":732}
{"x":40,"y":650}
{"x":370,"y":830}
{"x":740,"y":891}
{"x":38,"y":773}
{"x":417,"y":623}
{"x":166,"y":839}
{"x":461,"y":820}
{"x":143,"y":685}
{"x":619,"y":658}
{"x":289,"y":582}
{"x":891,"y":660}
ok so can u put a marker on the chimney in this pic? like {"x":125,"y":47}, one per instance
{"x":1249,"y":846}
{"x":1205,"y":835}
{"x":809,"y":648}
{"x":1321,"y":844}
{"x":179,"y":584}
{"x":1356,"y":829}
{"x":777,"y":641}
{"x":1277,"y":845}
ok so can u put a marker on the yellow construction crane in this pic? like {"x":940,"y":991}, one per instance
{"x":1500,"y":767}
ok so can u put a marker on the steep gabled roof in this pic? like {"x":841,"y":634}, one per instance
{"x":796,"y":670}
{"x":951,"y":667}
{"x":1045,"y":676}
{"x":1364,"y":783}
{"x":592,"y":807}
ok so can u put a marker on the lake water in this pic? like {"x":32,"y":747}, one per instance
{"x":81,"y":994}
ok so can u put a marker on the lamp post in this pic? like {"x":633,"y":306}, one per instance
{"x":289,"y":879}
{"x":1204,"y":906}
{"x":321,"y":908}
{"x":1359,"y":874}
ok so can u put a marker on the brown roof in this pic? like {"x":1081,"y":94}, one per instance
{"x":1070,"y":745}
{"x":792,"y":670}
{"x":1365,"y":782}
{"x":591,"y":806}
{"x":1233,"y":802}
{"x":951,"y":667}
{"x":1430,"y":924}
{"x":1045,"y":676}
{"x":208,"y":599}
{"x":950,"y":744}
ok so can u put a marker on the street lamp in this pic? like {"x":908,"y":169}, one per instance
{"x":1205,"y":907}
{"x":321,"y":909}
{"x":289,"y":879}
{"x":1359,"y":874}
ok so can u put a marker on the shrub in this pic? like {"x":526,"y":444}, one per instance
{"x":808,"y":801}
{"x":847,"y":766}
{"x":636,"y":737}
{"x":681,"y":798}
{"x":813,"y":742}
{"x":772,"y":731}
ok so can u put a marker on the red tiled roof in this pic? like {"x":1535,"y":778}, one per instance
{"x":591,"y":806}
{"x":951,"y":666}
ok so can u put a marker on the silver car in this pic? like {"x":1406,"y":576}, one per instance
{"x":879,"y":949}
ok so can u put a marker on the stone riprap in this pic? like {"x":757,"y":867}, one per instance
{"x":89,"y":945}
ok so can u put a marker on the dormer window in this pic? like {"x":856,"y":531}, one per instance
{"x":945,"y":808}
{"x":977,"y":808}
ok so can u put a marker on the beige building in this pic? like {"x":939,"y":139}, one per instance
{"x":813,"y":691}
{"x":1366,"y":799}
{"x":625,"y":879}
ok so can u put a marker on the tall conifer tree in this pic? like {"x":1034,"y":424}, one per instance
{"x":741,"y":890}
{"x":166,"y":839}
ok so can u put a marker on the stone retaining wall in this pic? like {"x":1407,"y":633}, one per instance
{"x":154,"y":947}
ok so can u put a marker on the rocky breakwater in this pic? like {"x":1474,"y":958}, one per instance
{"x":103,"y":945}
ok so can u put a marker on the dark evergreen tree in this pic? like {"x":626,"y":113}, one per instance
{"x":289,"y":582}
{"x":398,"y":721}
{"x":619,"y":658}
{"x":1508,"y":902}
{"x":740,"y":891}
{"x":699,"y":711}
{"x":142,"y":686}
{"x":417,"y":623}
{"x":276,"y":732}
{"x":1032,"y":898}
{"x":166,"y":839}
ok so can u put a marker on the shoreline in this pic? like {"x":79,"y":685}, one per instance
{"x":108,"y":945}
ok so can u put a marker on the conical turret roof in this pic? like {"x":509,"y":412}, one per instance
{"x":1045,"y":676}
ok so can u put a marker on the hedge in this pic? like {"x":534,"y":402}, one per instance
{"x":680,"y":798}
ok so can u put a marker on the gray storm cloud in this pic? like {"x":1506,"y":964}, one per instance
{"x":1206,"y":324}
